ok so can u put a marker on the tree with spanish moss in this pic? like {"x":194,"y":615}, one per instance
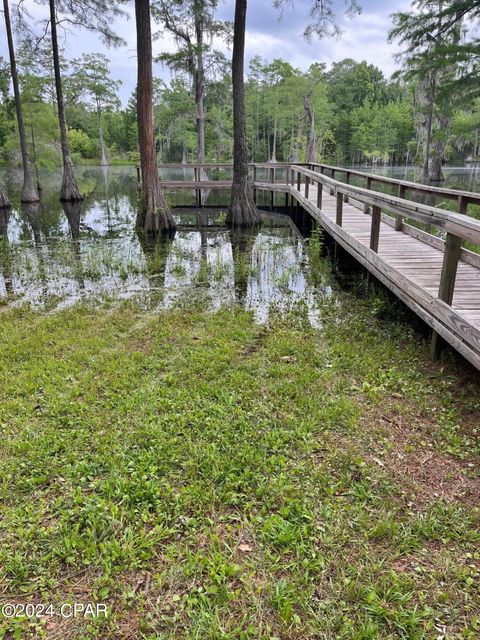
{"x":91,"y":15}
{"x":442,"y":54}
{"x":194,"y":27}
{"x":91,"y":75}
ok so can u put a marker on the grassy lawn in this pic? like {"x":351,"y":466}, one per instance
{"x":208,"y":477}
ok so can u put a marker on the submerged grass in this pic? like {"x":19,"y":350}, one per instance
{"x":208,"y":477}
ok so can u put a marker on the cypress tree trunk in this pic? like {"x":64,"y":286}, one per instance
{"x":69,"y":190}
{"x":154,"y":215}
{"x":429,"y":125}
{"x":273,"y":157}
{"x":199,"y":86}
{"x":4,"y":201}
{"x":29,"y":191}
{"x":310,"y":115}
{"x":199,"y":82}
{"x":242,"y":210}
{"x":103,"y":157}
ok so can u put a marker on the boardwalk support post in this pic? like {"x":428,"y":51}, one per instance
{"x":319,"y":195}
{"x":347,"y":180}
{"x":299,"y":178}
{"x":272,"y":180}
{"x":339,"y":210}
{"x":307,"y":186}
{"x":462,"y":205}
{"x":451,"y":256}
{"x":366,"y":208}
{"x":375,"y":228}
{"x":332,"y":192}
{"x":254,"y":181}
{"x":399,"y":219}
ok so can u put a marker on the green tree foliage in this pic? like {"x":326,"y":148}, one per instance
{"x":92,"y":81}
{"x":442,"y":52}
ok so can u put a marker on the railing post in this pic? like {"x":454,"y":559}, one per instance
{"x":339,"y":210}
{"x":451,"y":256}
{"x":307,"y":186}
{"x":287,"y":182}
{"x":299,"y":178}
{"x":462,"y":204}
{"x":196,"y":176}
{"x":366,"y":207}
{"x":272,"y":180}
{"x":332,"y":192}
{"x":319,"y":195}
{"x":375,"y":228}
{"x":399,"y":219}
{"x":347,"y":180}
{"x":254,"y":181}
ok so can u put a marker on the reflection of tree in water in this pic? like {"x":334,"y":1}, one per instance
{"x":5,"y":253}
{"x":107,"y":201}
{"x":202,"y":224}
{"x":156,"y":250}
{"x":242,"y":241}
{"x":31,"y":213}
{"x":73,"y":213}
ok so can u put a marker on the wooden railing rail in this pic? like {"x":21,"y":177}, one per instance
{"x":463,"y":198}
{"x":464,"y":227}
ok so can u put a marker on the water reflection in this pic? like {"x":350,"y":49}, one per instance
{"x":5,"y":253}
{"x":55,"y":254}
{"x":242,"y":241}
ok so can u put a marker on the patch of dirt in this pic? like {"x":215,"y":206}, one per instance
{"x":256,"y":345}
{"x":427,"y":474}
{"x":142,"y":344}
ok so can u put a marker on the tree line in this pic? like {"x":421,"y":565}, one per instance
{"x":213,"y":109}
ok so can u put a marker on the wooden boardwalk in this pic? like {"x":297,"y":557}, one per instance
{"x":441,"y":286}
{"x":414,"y":259}
{"x":434,"y":274}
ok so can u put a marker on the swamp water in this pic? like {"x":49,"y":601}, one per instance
{"x":53,"y":255}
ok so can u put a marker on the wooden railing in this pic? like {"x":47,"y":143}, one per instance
{"x":458,"y":227}
{"x":463,"y":198}
{"x":404,"y":188}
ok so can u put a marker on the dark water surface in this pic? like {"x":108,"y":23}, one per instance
{"x":52,"y":255}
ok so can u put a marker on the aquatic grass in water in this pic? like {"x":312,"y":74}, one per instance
{"x":94,"y":253}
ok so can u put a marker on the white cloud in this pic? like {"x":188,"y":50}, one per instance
{"x":364,"y":37}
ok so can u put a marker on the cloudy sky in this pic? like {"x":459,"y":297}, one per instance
{"x":269,"y":35}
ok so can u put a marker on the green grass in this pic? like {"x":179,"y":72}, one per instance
{"x":208,"y":477}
